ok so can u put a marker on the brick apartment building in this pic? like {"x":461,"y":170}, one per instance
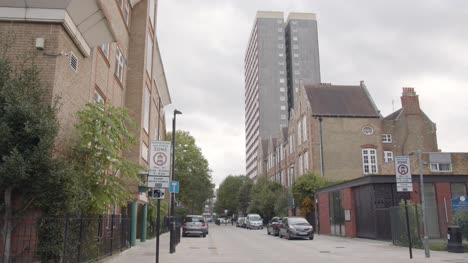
{"x":96,"y":51}
{"x":337,"y":132}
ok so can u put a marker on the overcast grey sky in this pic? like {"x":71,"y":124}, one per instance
{"x":388,"y":44}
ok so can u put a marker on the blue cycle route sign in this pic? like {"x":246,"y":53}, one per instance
{"x":460,"y":204}
{"x":174,"y":187}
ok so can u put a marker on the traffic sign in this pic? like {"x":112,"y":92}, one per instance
{"x":160,"y":164}
{"x":159,"y":193}
{"x":158,"y":182}
{"x":174,"y":187}
{"x":403,"y":174}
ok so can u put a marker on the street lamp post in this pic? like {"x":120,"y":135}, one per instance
{"x":172,"y":226}
{"x":423,"y":204}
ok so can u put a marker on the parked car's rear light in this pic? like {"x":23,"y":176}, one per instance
{"x":203,"y":224}
{"x":185,"y":224}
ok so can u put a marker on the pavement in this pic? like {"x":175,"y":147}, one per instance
{"x":228,"y":244}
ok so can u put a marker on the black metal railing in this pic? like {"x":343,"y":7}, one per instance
{"x":69,"y":239}
{"x":399,"y":228}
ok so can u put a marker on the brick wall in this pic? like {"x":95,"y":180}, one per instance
{"x":324,"y":214}
{"x":348,"y":204}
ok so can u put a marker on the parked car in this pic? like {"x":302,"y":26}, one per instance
{"x":254,"y":221}
{"x":273,"y":226}
{"x":194,"y":225}
{"x":296,"y":227}
{"x":240,"y":221}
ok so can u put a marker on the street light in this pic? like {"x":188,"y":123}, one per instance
{"x":423,"y":202}
{"x":172,"y":234}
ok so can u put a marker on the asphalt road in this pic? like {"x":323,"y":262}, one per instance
{"x":228,"y":244}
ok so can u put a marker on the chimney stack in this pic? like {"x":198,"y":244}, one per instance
{"x":410,"y":101}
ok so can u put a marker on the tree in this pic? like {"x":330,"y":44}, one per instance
{"x":227,"y":195}
{"x":30,"y":177}
{"x":264,"y":196}
{"x":104,"y":134}
{"x":304,"y":192}
{"x":244,"y":195}
{"x":281,"y":203}
{"x":192,"y":171}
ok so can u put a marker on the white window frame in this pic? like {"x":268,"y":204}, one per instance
{"x":151,"y":10}
{"x":435,"y":167}
{"x":98,"y":98}
{"x":281,"y":80}
{"x":146,"y":110}
{"x":144,"y":152}
{"x":304,"y":128}
{"x":127,"y":13}
{"x":386,"y":138}
{"x":119,"y":64}
{"x":388,"y":156}
{"x":105,"y":48}
{"x":149,"y":55}
{"x":300,"y":165}
{"x":299,"y":135}
{"x":283,"y":117}
{"x":369,"y":161}
{"x":282,"y":98}
{"x":283,"y":107}
{"x":306,"y":162}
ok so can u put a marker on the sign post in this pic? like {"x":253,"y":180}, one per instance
{"x":404,"y":184}
{"x":159,"y":178}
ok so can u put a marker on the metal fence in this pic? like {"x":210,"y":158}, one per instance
{"x":70,"y":239}
{"x":399,"y":229}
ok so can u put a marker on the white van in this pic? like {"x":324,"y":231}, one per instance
{"x":253,"y":221}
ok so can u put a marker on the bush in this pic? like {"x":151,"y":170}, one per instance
{"x":461,"y":219}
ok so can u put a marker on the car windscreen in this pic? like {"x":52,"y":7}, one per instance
{"x":297,"y":221}
{"x":194,"y":219}
{"x":255,"y":218}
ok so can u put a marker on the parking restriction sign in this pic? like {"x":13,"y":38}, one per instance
{"x":403,"y":174}
{"x":160,"y":164}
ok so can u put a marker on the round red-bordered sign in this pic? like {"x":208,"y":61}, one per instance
{"x":403,"y":169}
{"x":159,"y":159}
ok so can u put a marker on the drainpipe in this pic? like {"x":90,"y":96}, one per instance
{"x":322,"y":170}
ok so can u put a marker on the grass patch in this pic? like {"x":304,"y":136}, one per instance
{"x":442,"y":246}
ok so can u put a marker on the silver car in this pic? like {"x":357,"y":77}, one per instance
{"x":194,"y":225}
{"x":296,"y":227}
{"x":254,"y":221}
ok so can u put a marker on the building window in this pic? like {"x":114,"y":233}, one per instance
{"x":386,"y":138}
{"x":74,"y":62}
{"x":296,"y":55}
{"x":105,"y":49}
{"x":295,"y":38}
{"x":367,"y":130}
{"x":146,"y":113}
{"x":127,"y":12}
{"x":119,"y":65}
{"x":295,"y":46}
{"x":282,"y":90}
{"x":299,"y":138}
{"x":297,"y":72}
{"x":282,"y":98}
{"x":294,"y":22}
{"x":144,"y":152}
{"x":280,"y":45}
{"x":304,"y":128}
{"x":98,"y":97}
{"x":281,"y":80}
{"x":291,"y":146}
{"x":281,"y":72}
{"x":458,"y":189}
{"x":151,"y":12}
{"x":280,"y":38}
{"x":281,"y":55}
{"x":300,"y":165}
{"x":441,"y":167}
{"x":279,"y":21}
{"x":369,"y":161}
{"x":281,"y":63}
{"x":388,"y":156}
{"x":283,"y":117}
{"x":306,"y":162}
{"x":149,"y":55}
{"x":283,"y":107}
